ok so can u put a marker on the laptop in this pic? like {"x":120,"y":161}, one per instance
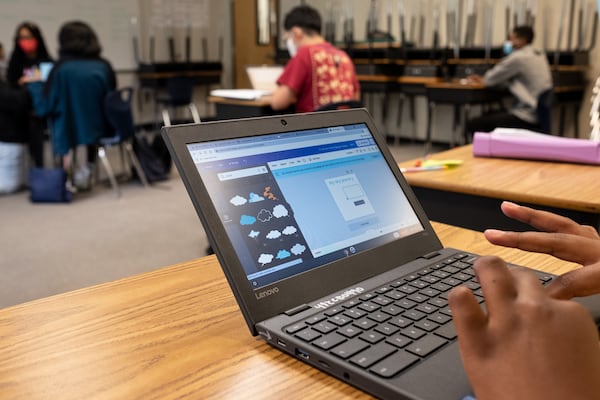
{"x":327,"y":250}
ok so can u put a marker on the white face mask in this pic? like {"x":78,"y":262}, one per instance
{"x":291,"y":46}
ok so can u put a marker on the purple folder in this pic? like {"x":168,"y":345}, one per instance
{"x":518,"y":143}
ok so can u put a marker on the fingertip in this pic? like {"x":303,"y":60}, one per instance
{"x":493,"y":234}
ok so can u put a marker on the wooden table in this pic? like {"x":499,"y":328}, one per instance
{"x":470,"y":195}
{"x":172,"y":333}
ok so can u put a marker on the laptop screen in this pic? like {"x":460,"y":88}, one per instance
{"x":295,"y":201}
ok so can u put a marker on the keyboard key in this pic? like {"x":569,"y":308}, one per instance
{"x":340,"y":320}
{"x":407,"y":289}
{"x":426,"y":308}
{"x":379,"y":316}
{"x":426,"y":325}
{"x":370,"y":356}
{"x":426,"y":345}
{"x":419,"y":284}
{"x":452,"y":282}
{"x":450,"y":269}
{"x":333,"y":311}
{"x":314,"y":319}
{"x":349,"y":331}
{"x":324,"y":327}
{"x":446,"y":331}
{"x":438,"y":302}
{"x":365,"y":323}
{"x":308,"y":335}
{"x":387,"y":329}
{"x":367,"y":296}
{"x":414,"y":315}
{"x":351,"y":303}
{"x":472,"y":285}
{"x":355,"y":313}
{"x":418,"y":297}
{"x":425,"y":271}
{"x":430,"y":279}
{"x":398,"y":341}
{"x":429,"y":292}
{"x":393,"y":364}
{"x":329,"y":341}
{"x":439,"y":318}
{"x":383,"y":289}
{"x":461,"y":265}
{"x":295,"y":328}
{"x":441,"y":274}
{"x":392,"y":310}
{"x":462,"y":276}
{"x":372,"y":337}
{"x":382,"y":301}
{"x":406,"y":304}
{"x":349,"y":348}
{"x":400,"y":322}
{"x":368,"y":306}
{"x":395,"y":295}
{"x":442,"y":287}
{"x":411,"y":277}
{"x":413,"y":333}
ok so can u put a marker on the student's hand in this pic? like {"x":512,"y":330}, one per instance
{"x":561,"y":237}
{"x":528,"y":345}
{"x":475,"y":79}
{"x":33,"y":76}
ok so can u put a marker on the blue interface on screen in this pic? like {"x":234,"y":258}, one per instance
{"x":294,"y":201}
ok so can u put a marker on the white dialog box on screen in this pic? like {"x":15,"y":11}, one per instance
{"x":349,"y":196}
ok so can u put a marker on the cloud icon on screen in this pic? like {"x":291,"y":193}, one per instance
{"x":289,"y":230}
{"x":298,"y":249}
{"x":253,"y":234}
{"x":282,"y":254}
{"x":247,"y":220}
{"x":264,"y":215}
{"x":273,"y":235}
{"x":255,"y":198}
{"x":238,"y":201}
{"x":265,"y":259}
{"x":280,"y":211}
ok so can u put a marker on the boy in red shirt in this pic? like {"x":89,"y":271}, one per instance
{"x":318,"y":73}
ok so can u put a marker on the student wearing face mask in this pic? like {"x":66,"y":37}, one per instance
{"x":525,"y":72}
{"x":318,"y":73}
{"x":29,"y":50}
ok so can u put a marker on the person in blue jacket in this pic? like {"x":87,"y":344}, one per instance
{"x":72,"y":97}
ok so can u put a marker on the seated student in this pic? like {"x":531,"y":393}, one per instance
{"x":73,"y":97}
{"x":526,"y":73}
{"x":318,"y":74}
{"x":532,"y":343}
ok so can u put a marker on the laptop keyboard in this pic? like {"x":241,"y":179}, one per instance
{"x":394,"y":326}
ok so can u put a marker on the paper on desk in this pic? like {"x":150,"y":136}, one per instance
{"x":240,"y":94}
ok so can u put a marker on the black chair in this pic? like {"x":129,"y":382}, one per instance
{"x":342,"y":105}
{"x":544,"y":111}
{"x":117,"y":108}
{"x":179,"y":91}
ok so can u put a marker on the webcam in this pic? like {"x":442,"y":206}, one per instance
{"x":283,"y":122}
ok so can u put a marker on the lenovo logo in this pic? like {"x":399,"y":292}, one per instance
{"x":266,"y":293}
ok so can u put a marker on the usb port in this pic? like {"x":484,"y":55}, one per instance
{"x":302,"y":354}
{"x":281,"y":343}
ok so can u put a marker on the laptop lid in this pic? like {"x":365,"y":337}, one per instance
{"x":299,"y":206}
{"x":264,"y":77}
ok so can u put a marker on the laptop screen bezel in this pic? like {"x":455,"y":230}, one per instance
{"x":314,"y":284}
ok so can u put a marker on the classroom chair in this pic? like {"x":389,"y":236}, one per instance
{"x":117,"y":107}
{"x":544,"y":111}
{"x":179,"y":91}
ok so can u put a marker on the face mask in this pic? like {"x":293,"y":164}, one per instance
{"x":28,"y":45}
{"x":508,"y":47}
{"x":291,"y":46}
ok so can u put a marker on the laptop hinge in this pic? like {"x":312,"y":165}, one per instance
{"x":431,"y":255}
{"x":297,"y":310}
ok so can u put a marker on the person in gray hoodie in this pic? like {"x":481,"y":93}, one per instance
{"x":526,"y":74}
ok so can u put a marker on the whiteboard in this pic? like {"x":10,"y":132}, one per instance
{"x":111,"y":19}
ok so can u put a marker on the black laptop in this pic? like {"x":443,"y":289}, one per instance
{"x":327,"y":250}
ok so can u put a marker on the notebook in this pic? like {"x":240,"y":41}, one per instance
{"x":328,"y":252}
{"x":264,"y":77}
